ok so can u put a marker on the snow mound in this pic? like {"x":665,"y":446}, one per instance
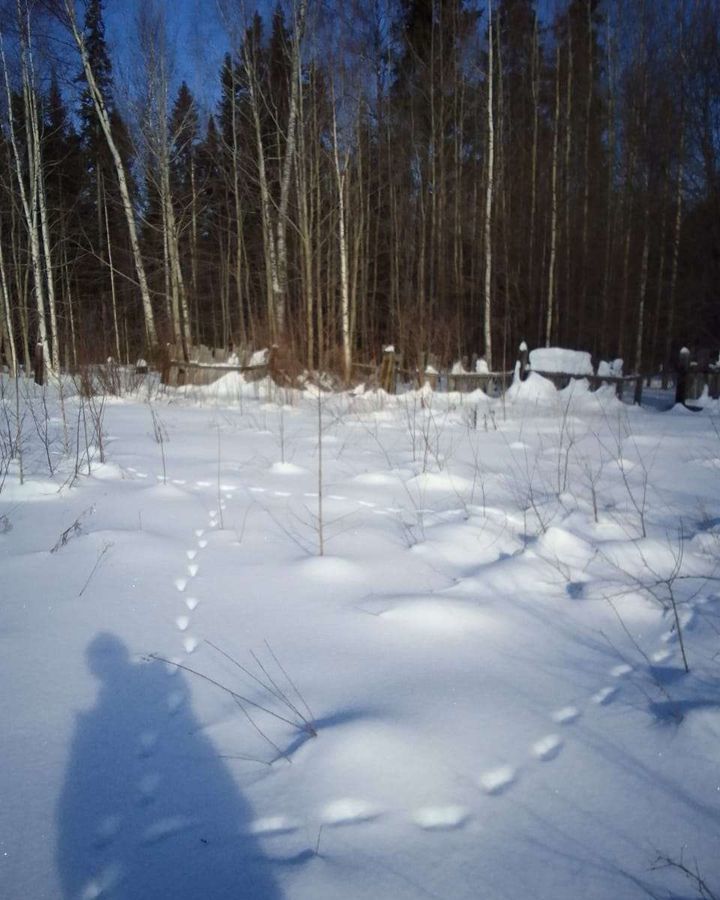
{"x":439,"y":617}
{"x":332,"y":569}
{"x":287,"y":468}
{"x":376,"y":478}
{"x":534,"y":388}
{"x":577,"y":388}
{"x":557,"y":359}
{"x":440,"y":481}
{"x":565,"y":546}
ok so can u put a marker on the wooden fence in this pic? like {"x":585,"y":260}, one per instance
{"x":206,"y":365}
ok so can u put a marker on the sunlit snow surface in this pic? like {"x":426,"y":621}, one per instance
{"x":478,"y":691}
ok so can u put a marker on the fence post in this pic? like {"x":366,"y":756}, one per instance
{"x":387,"y":370}
{"x":431,"y":377}
{"x":682,"y":376}
{"x":39,"y":364}
{"x":524,"y":361}
{"x":637,"y":399}
{"x":714,"y":380}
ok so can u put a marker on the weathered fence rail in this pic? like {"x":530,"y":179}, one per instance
{"x":206,"y":365}
{"x":389,"y":374}
{"x":178,"y":373}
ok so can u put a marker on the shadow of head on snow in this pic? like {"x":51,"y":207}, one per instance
{"x":148,"y":809}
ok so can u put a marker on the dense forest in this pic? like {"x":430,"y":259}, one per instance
{"x":449,"y":177}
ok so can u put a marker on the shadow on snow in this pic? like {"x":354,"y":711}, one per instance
{"x":148,"y":809}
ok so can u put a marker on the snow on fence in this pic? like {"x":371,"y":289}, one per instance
{"x":558,"y":365}
{"x":205,"y":365}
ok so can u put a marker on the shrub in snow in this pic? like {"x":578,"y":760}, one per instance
{"x":558,"y":360}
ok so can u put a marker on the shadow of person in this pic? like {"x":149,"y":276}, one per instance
{"x":148,"y":810}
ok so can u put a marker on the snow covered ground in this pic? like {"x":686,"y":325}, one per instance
{"x":477,"y":692}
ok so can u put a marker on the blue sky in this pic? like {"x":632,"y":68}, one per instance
{"x":194,"y":28}
{"x":199,"y":36}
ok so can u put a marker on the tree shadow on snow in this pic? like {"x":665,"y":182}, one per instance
{"x":148,"y":810}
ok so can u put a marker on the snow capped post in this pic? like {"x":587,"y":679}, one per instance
{"x":431,"y":377}
{"x":682,"y":376}
{"x":387,"y":369}
{"x":524,"y":360}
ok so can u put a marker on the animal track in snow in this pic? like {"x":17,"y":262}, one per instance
{"x":202,"y":544}
{"x":271,"y":825}
{"x":566,"y":716}
{"x":686,"y":618}
{"x":440,"y":818}
{"x":190,"y":644}
{"x":191,"y":554}
{"x":182,"y":623}
{"x":604,"y":695}
{"x":621,"y":670}
{"x":171,"y":666}
{"x":257,"y":490}
{"x":191,"y":603}
{"x":547,"y":748}
{"x":495,"y":781}
{"x":193,"y":569}
{"x":661,"y":656}
{"x":181,"y":584}
{"x":164,"y":828}
{"x":347,"y":812}
{"x":102,"y":885}
{"x":199,"y":532}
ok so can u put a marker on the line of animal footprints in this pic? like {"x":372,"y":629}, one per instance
{"x":497,"y":781}
{"x":182,"y":622}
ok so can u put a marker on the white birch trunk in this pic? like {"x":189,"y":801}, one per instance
{"x":340,"y":178}
{"x":104,"y":119}
{"x":28,"y":195}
